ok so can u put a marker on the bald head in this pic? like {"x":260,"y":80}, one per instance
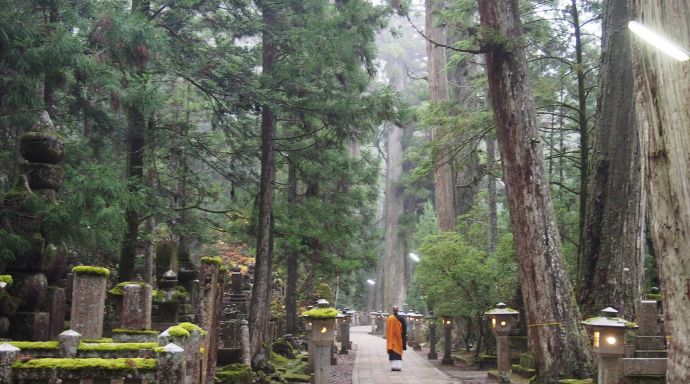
{"x":395,"y":309}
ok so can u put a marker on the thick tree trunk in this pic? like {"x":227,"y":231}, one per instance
{"x":291,"y":258}
{"x":612,"y":262}
{"x":444,"y":183}
{"x":393,"y":261}
{"x":260,"y":316}
{"x":663,"y":93}
{"x":557,"y":341}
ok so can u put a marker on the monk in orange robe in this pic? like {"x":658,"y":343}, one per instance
{"x":396,"y":339}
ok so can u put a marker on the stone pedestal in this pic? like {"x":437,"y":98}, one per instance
{"x":503,"y":357}
{"x":8,"y":355}
{"x":136,"y":307}
{"x":432,"y":342}
{"x":69,"y":342}
{"x":646,"y":317}
{"x":246,"y":351}
{"x":418,"y":335}
{"x":322,"y":364}
{"x":88,"y":304}
{"x":447,"y":344}
{"x":171,"y":368}
{"x":344,"y":333}
{"x":610,"y":369}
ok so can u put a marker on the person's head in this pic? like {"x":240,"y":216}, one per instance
{"x":395,"y":309}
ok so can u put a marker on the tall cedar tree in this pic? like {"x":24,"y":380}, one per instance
{"x":612,"y":264}
{"x":551,"y":311}
{"x":662,"y":90}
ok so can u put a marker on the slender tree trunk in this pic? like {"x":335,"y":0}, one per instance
{"x":291,"y":258}
{"x":260,"y":315}
{"x":582,"y":117}
{"x":612,"y":262}
{"x":560,"y":347}
{"x":444,"y":185}
{"x":393,"y":259}
{"x":663,"y":93}
{"x":491,"y":198}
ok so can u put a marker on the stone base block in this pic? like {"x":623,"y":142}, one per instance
{"x":135,"y":337}
{"x":32,"y":326}
{"x":648,"y":343}
{"x":640,"y":367}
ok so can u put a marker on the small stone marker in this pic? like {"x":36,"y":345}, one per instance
{"x":69,"y":342}
{"x":8,"y":355}
{"x":171,"y":367}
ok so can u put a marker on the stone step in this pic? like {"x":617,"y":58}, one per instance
{"x":654,"y":353}
{"x":523,"y":371}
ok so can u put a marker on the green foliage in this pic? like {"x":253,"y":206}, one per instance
{"x":89,"y":270}
{"x":88,"y":363}
{"x":234,"y":374}
{"x":460,"y":279}
{"x":212,"y":260}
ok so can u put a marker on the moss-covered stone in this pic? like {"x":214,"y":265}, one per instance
{"x":321,"y":313}
{"x":212,"y":260}
{"x":43,"y":345}
{"x":7,"y":279}
{"x":101,"y":340}
{"x":89,"y":270}
{"x":177,"y":331}
{"x":191,"y":327}
{"x":88,"y":363}
{"x":135,"y":331}
{"x":116,"y":346}
{"x":235,"y":374}
{"x":119,"y":289}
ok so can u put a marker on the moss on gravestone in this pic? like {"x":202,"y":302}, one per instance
{"x":43,"y":345}
{"x":89,"y":270}
{"x":191,"y":327}
{"x":321,"y":313}
{"x":212,"y":260}
{"x":116,"y":346}
{"x":177,"y":331}
{"x":87,"y":363}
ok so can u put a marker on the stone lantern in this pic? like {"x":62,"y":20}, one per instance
{"x":322,"y":320}
{"x":343,"y":320}
{"x":431,"y":321}
{"x":409,"y":318}
{"x":502,"y":321}
{"x":447,"y":332}
{"x":418,"y":319}
{"x":608,"y":343}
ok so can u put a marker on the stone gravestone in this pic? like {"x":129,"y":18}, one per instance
{"x":88,"y":301}
{"x":136,"y":307}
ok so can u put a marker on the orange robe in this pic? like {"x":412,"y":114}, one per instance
{"x":394,"y":335}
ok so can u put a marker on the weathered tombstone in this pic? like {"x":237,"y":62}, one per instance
{"x":244,"y":335}
{"x":88,"y":300}
{"x":136,"y":307}
{"x":56,"y":303}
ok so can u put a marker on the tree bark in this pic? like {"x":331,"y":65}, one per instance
{"x":291,"y":258}
{"x":491,"y":197}
{"x":393,"y":262}
{"x":559,"y":346}
{"x":612,"y":262}
{"x":260,"y":315}
{"x":444,"y":185}
{"x":662,"y":92}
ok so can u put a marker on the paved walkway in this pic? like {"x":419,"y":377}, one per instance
{"x":372,"y":366}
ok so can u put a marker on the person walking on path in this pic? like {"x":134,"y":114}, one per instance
{"x":396,"y":339}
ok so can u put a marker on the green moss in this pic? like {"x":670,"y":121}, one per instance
{"x":77,"y":364}
{"x":191,"y":327}
{"x":212,"y":260}
{"x":119,"y":289}
{"x":234,"y":374}
{"x":180,"y":294}
{"x":89,"y":270}
{"x":35,"y":344}
{"x":93,"y":341}
{"x":178,"y":331}
{"x":321,"y":313}
{"x":135,"y":331}
{"x":297,"y":378}
{"x":6,"y":279}
{"x":117,"y":346}
{"x":654,"y":296}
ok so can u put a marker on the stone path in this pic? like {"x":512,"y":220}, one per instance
{"x":372,"y":366}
